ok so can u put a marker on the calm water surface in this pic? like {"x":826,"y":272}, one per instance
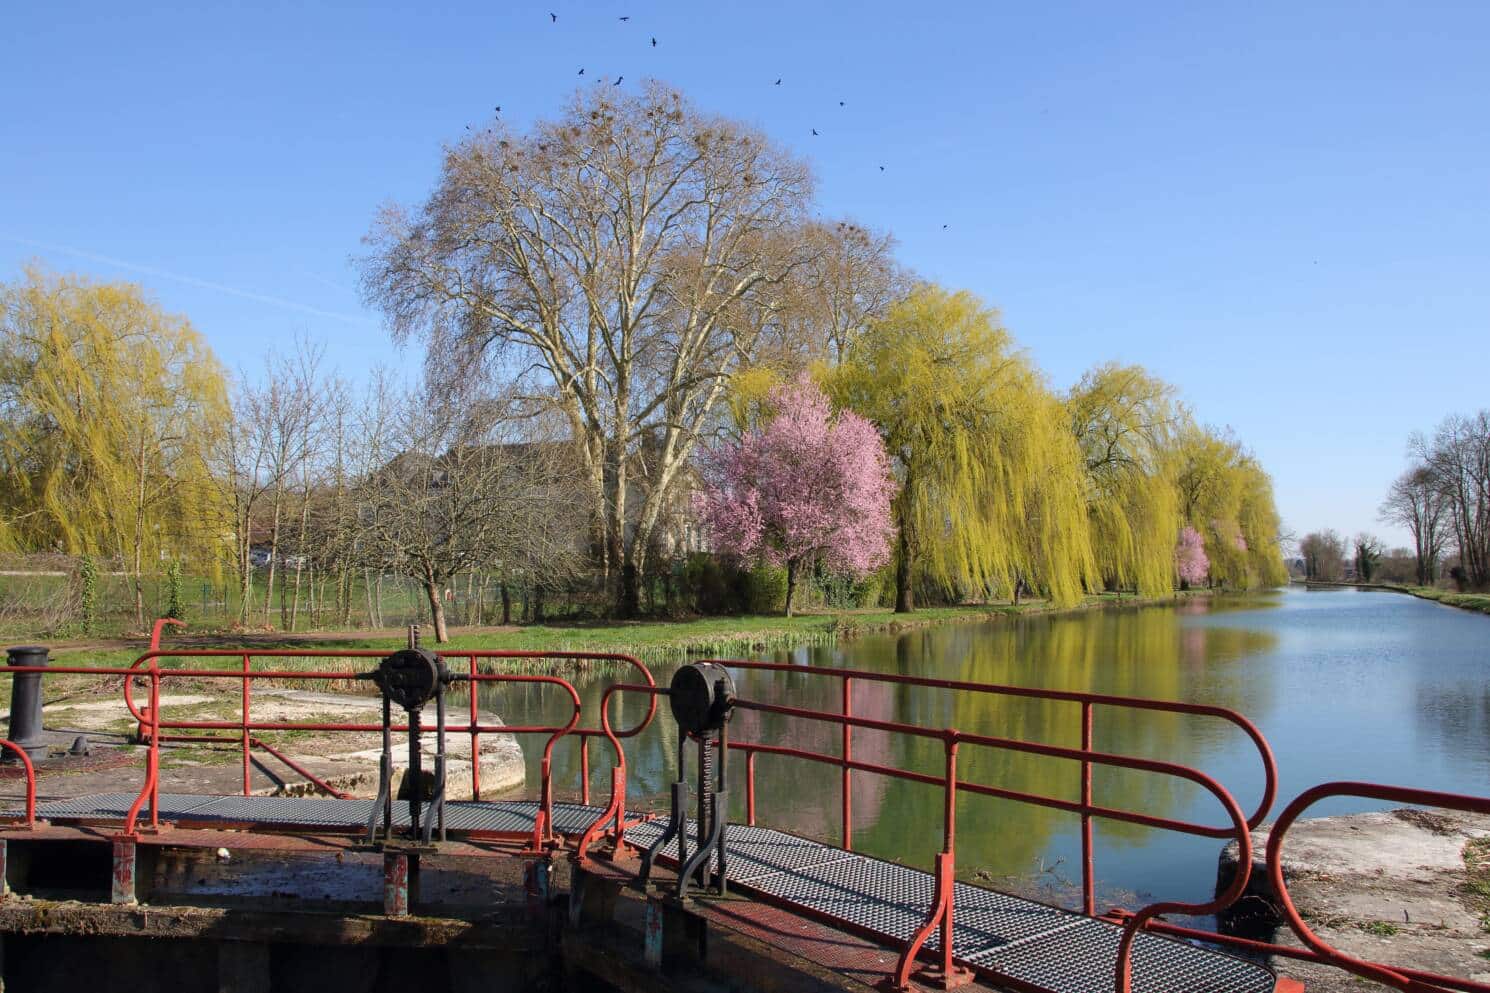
{"x":1344,"y":684}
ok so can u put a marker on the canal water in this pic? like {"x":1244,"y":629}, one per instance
{"x":1345,"y":685}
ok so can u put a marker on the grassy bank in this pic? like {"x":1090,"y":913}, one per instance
{"x":654,"y":642}
{"x":1467,"y":601}
{"x":651,"y":641}
{"x":1478,"y":602}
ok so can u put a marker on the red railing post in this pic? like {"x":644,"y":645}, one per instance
{"x":947,"y":863}
{"x":247,"y":738}
{"x":154,"y":759}
{"x":1088,"y":871}
{"x":942,"y":914}
{"x":584,"y":769}
{"x":848,"y":772}
{"x":750,"y":787}
{"x":475,"y":737}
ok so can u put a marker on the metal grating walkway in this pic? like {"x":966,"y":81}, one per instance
{"x":1020,"y":940}
{"x":485,"y":816}
{"x":1006,"y":936}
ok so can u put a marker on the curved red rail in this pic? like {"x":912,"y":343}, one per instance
{"x":7,"y":745}
{"x":1410,"y":980}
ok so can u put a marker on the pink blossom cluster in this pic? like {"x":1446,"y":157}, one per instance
{"x":807,"y":485}
{"x":1190,"y":560}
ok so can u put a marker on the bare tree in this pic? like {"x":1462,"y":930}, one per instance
{"x":628,"y":255}
{"x":1415,"y":503}
{"x":849,"y":278}
{"x":464,"y":493}
{"x":1458,"y":458}
{"x":286,"y":408}
{"x":1323,"y":553}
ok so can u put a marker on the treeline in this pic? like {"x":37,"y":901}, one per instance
{"x":601,"y":299}
{"x":125,"y":444}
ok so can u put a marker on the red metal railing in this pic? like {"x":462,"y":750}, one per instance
{"x":150,"y":791}
{"x":1088,"y":702}
{"x":155,"y":727}
{"x":246,"y":725}
{"x":941,"y":916}
{"x":1403,"y":979}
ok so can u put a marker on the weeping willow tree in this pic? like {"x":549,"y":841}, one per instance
{"x":1227,"y":496}
{"x":108,"y":409}
{"x":1124,"y":421}
{"x":990,"y":477}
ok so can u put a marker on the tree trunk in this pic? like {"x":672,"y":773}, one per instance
{"x":436,"y":610}
{"x":904,"y":598}
{"x":628,"y":605}
{"x":506,"y":604}
{"x":791,"y":584}
{"x":273,"y":557}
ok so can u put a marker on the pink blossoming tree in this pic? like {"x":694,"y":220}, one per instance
{"x":1190,"y":560}
{"x":804,"y":488}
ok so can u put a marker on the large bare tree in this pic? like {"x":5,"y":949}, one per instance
{"x":630,"y":255}
{"x":1415,"y":502}
{"x":1458,"y":457}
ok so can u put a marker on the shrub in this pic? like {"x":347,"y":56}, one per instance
{"x":87,"y":593}
{"x":175,"y":599}
{"x":766,"y":589}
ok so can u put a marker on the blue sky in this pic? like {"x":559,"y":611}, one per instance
{"x":1279,"y":207}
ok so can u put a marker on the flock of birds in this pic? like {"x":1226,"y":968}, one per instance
{"x":624,"y":19}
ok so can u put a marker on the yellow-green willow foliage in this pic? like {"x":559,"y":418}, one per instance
{"x":1226,"y":496}
{"x":109,"y":409}
{"x":1124,"y":421}
{"x":991,"y":479}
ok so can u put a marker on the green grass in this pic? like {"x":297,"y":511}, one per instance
{"x":1382,"y":929}
{"x":1467,"y":601}
{"x":652,"y":641}
{"x":1479,"y":602}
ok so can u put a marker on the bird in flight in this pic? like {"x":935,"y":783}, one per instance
{"x":841,"y":103}
{"x":618,"y":81}
{"x":553,"y":18}
{"x":814,"y":131}
{"x":581,"y":70}
{"x":882,"y":168}
{"x":498,"y":108}
{"x":623,"y":18}
{"x":944,"y":227}
{"x":778,"y":82}
{"x":654,"y":42}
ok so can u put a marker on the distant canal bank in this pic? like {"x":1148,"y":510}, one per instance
{"x":1345,"y":684}
{"x":1479,"y":602}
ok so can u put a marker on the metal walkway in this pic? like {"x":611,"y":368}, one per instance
{"x":1025,"y":941}
{"x":1028,"y":942}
